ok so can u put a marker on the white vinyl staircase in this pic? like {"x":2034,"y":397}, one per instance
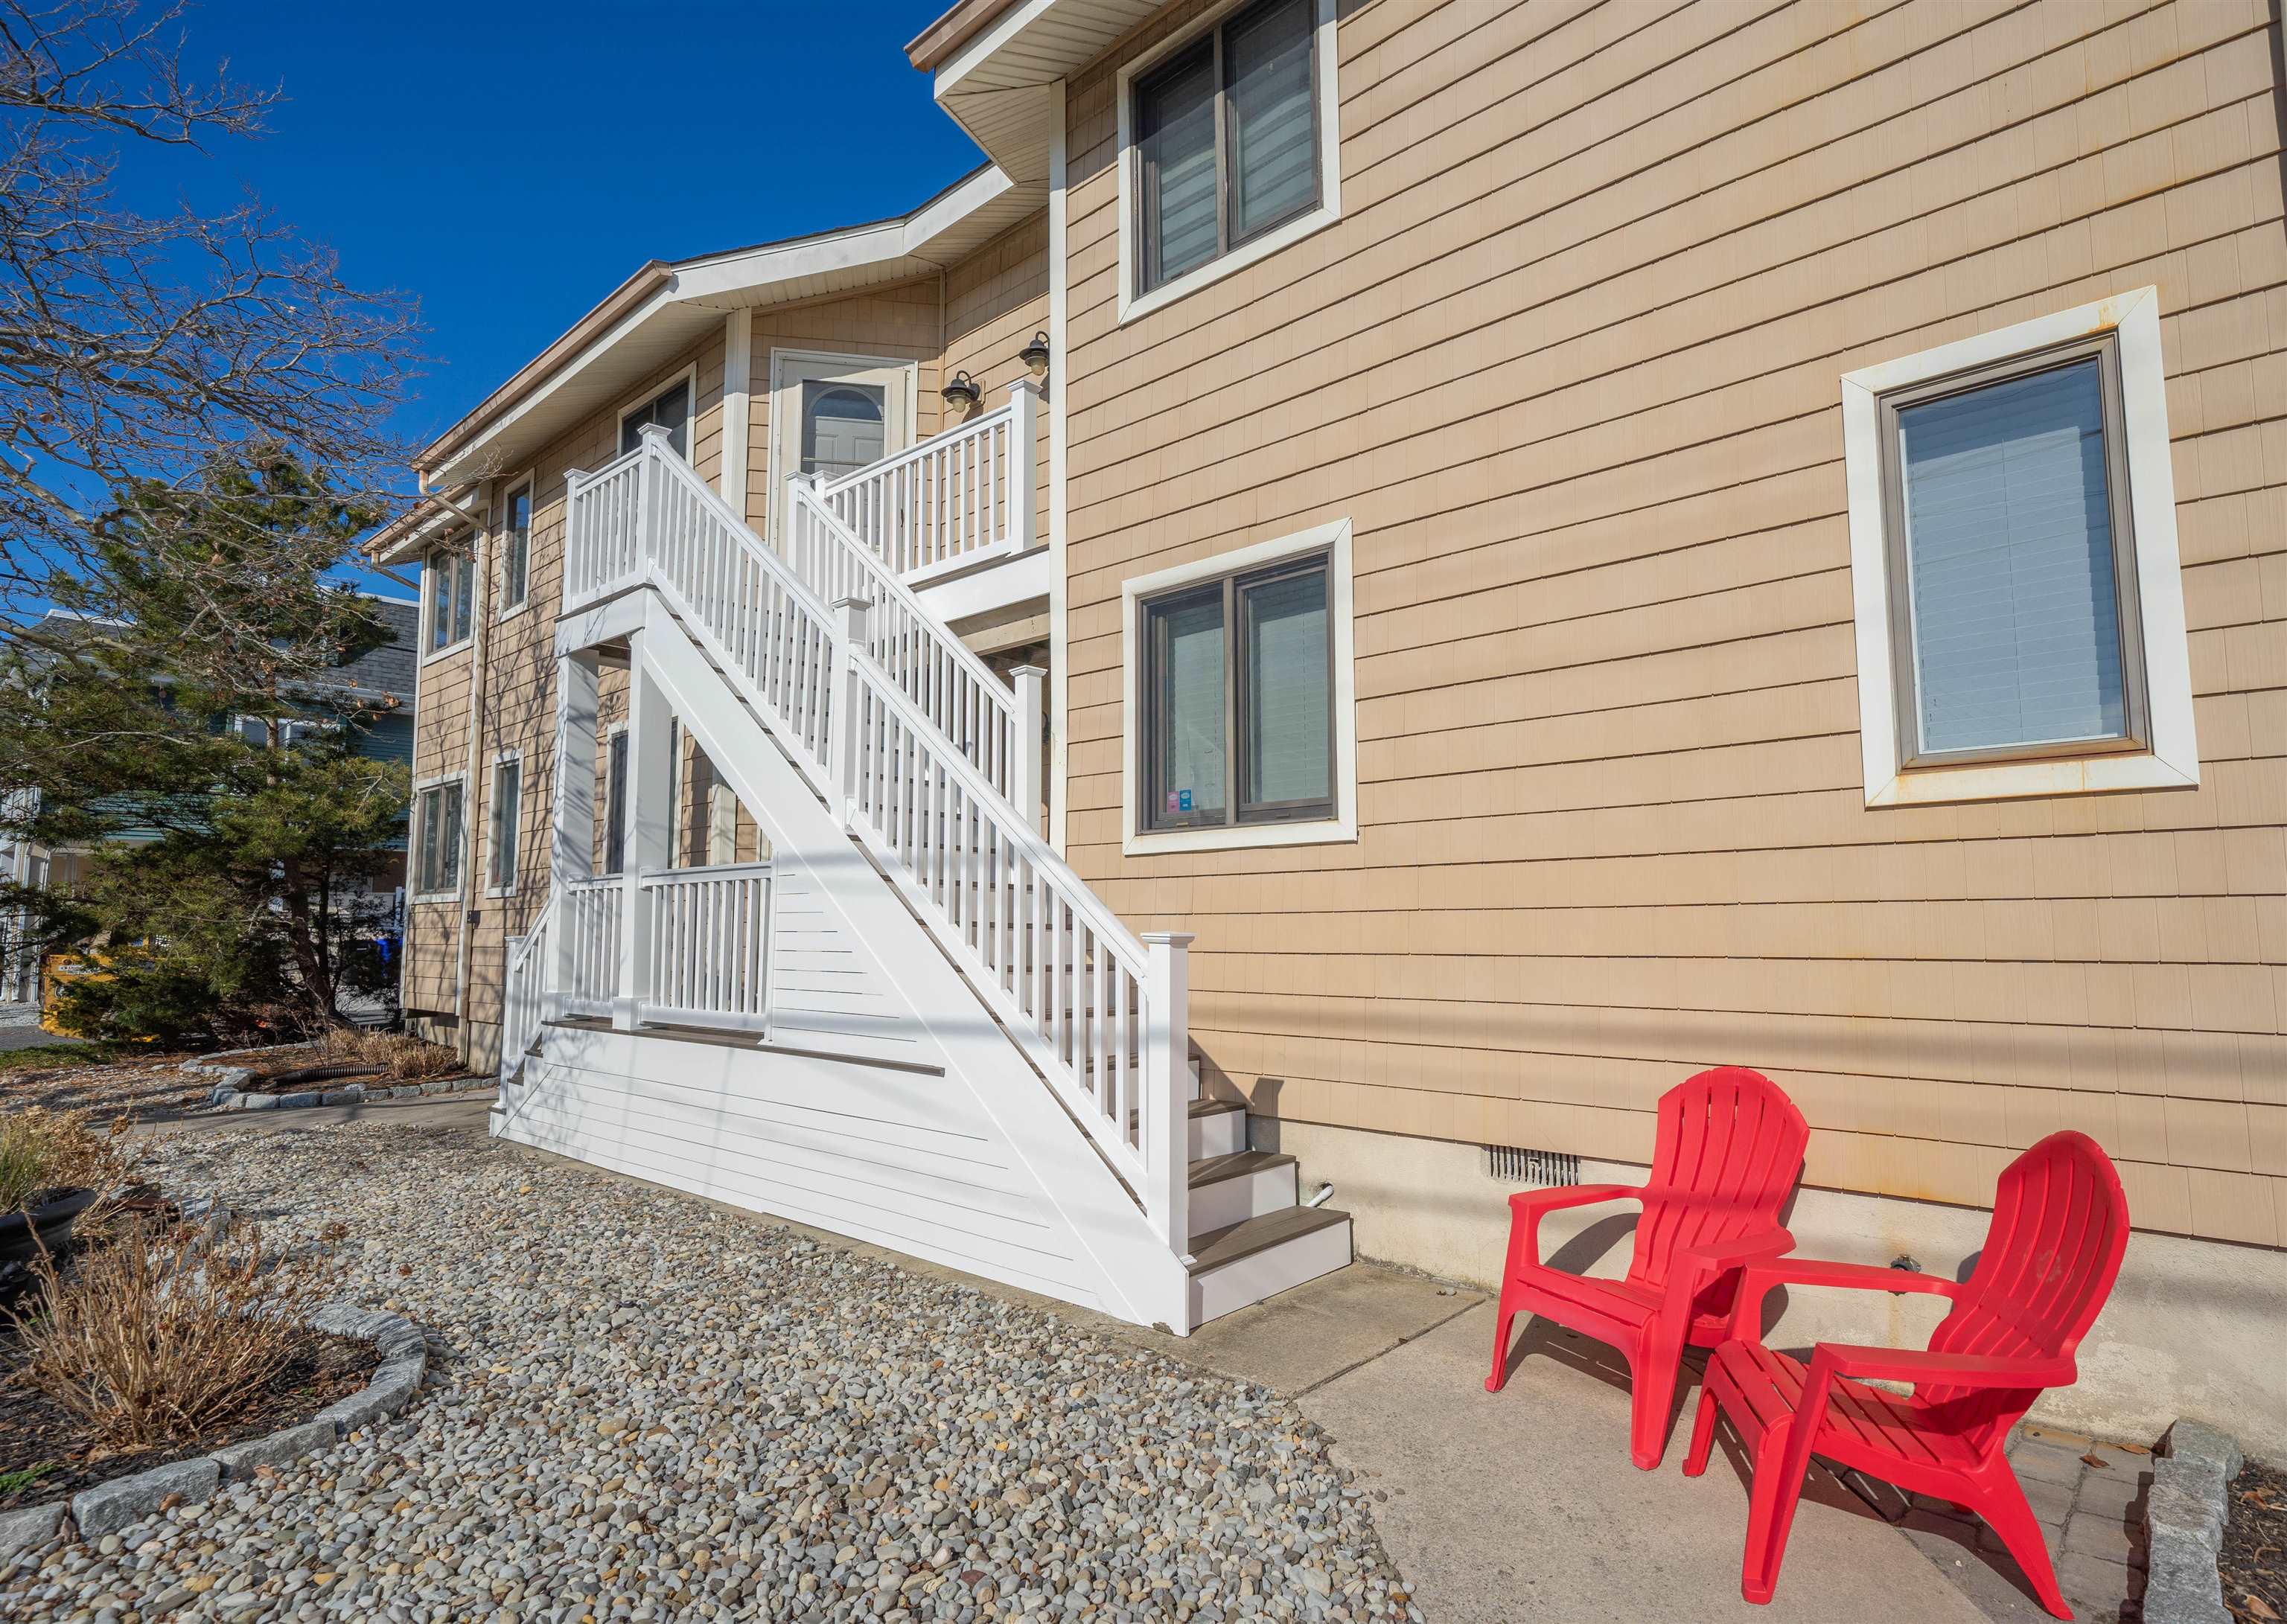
{"x":1027,"y":1102}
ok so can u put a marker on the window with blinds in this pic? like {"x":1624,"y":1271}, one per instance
{"x":507,"y":820}
{"x":1237,"y":713}
{"x":516,"y":547}
{"x":1226,"y":135}
{"x":437,"y":855}
{"x":2013,"y":573}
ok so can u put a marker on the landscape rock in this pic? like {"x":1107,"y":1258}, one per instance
{"x":31,"y":1526}
{"x":240,"y":1461}
{"x":109,"y":1507}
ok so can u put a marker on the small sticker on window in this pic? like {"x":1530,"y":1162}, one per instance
{"x":1179,"y":800}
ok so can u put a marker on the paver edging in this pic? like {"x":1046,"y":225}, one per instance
{"x":229,"y":1096}
{"x":110,"y":1507}
{"x":2184,"y":1515}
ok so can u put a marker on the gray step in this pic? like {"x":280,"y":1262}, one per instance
{"x":1228,"y":1190}
{"x":1263,"y":1257}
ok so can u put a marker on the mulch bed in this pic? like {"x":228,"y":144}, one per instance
{"x":2254,"y":1560}
{"x":35,"y":1431}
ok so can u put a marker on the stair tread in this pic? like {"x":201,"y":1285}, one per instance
{"x":1237,"y":1164}
{"x":1211,"y":1107}
{"x":1220,"y":1247}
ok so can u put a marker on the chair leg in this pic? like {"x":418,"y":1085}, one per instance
{"x":1654,"y":1366}
{"x":1703,"y":1429}
{"x":2001,"y":1501}
{"x":1770,"y":1515}
{"x":1501,"y":1323}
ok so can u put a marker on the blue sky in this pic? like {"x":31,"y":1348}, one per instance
{"x":509,"y":163}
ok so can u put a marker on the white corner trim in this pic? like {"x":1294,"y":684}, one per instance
{"x":2173,"y":761}
{"x":1133,"y":305}
{"x":1335,"y":540}
{"x":738,"y":407}
{"x":1060,"y":463}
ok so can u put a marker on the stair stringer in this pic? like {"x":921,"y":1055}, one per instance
{"x":1137,"y":1277}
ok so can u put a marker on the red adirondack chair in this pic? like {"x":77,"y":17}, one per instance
{"x":2060,"y":1225}
{"x":1729,"y":1146}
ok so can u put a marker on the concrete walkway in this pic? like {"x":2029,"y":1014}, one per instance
{"x":454,"y":1111}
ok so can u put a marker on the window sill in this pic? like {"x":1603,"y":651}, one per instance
{"x":513,"y":611}
{"x":1133,"y":307}
{"x":448,"y":651}
{"x":2093,"y":775}
{"x":499,"y":893}
{"x":1240,"y":837}
{"x":430,"y":898}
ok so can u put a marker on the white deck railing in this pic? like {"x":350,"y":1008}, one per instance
{"x":523,"y":993}
{"x":933,"y":668}
{"x":590,"y":919}
{"x":709,"y":953}
{"x":957,"y":500}
{"x":917,"y":746}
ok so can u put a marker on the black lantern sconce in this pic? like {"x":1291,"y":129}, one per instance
{"x":962,"y":393}
{"x":1035,"y":355}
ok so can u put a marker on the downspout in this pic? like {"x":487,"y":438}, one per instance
{"x":480,"y":576}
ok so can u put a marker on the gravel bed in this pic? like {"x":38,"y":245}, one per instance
{"x":143,"y":1087}
{"x":643,"y":1408}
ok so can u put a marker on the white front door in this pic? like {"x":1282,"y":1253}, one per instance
{"x":833,"y":415}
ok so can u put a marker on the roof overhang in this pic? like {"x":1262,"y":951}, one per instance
{"x":996,"y":63}
{"x":667,"y":307}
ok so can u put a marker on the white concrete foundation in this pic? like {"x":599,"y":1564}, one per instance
{"x":2194,"y":1327}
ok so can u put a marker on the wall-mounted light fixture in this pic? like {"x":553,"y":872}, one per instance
{"x":962,"y":393}
{"x":1035,"y":355}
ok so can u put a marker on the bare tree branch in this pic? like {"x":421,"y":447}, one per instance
{"x":132,"y":346}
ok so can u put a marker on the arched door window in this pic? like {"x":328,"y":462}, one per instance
{"x":842,"y":427}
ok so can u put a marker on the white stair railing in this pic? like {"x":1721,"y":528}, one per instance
{"x":1059,"y":965}
{"x":959,"y":499}
{"x":933,"y":668}
{"x":710,"y":946}
{"x":523,"y":993}
{"x":912,"y":740}
{"x":591,"y":921}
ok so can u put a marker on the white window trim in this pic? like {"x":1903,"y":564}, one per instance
{"x":413,"y":852}
{"x":1133,"y":305}
{"x":528,"y":482}
{"x":428,"y":594}
{"x":1333,"y":539}
{"x":500,"y":757}
{"x":775,"y":482}
{"x":688,"y":376}
{"x":2172,"y":761}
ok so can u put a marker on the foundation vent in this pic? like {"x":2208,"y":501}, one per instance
{"x":1544,"y":1168}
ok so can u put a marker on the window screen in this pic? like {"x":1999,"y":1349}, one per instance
{"x":439,"y":856}
{"x":515,"y":531}
{"x":508,"y":787}
{"x":2014,"y":567}
{"x":1237,"y":722}
{"x":1226,"y":139}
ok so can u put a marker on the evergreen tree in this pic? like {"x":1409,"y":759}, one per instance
{"x":233,"y":832}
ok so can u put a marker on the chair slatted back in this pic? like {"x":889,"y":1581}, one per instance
{"x":2052,"y":1253}
{"x":1731,"y":1139}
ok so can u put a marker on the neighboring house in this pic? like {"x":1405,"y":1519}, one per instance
{"x":382,"y":679}
{"x":1567,"y":543}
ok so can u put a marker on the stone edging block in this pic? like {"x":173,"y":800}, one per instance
{"x":109,"y":1507}
{"x":227,"y":1096}
{"x":2184,"y":1515}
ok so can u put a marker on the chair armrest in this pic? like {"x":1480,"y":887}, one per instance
{"x":1527,"y":1208}
{"x":1694,"y":1267}
{"x":1756,"y":1284}
{"x":1873,"y":1364}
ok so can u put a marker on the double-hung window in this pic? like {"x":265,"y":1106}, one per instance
{"x":1229,"y":140}
{"x":450,"y":579}
{"x":1237,"y":692}
{"x":437,"y":825}
{"x":516,"y":547}
{"x":2020,"y":619}
{"x":507,"y":813}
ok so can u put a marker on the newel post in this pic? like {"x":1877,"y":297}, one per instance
{"x":649,"y":830}
{"x":1024,"y":744}
{"x":573,"y":478}
{"x":851,"y":616}
{"x":1025,"y":399}
{"x":1167,"y":1101}
{"x":571,"y":816}
{"x":651,"y":530}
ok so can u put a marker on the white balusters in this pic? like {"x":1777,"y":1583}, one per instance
{"x":524,"y":990}
{"x":955,"y":500}
{"x":709,"y":953}
{"x":591,"y":921}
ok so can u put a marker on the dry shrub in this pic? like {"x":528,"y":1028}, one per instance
{"x":405,"y":1057}
{"x":53,"y":1150}
{"x":166,"y":1334}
